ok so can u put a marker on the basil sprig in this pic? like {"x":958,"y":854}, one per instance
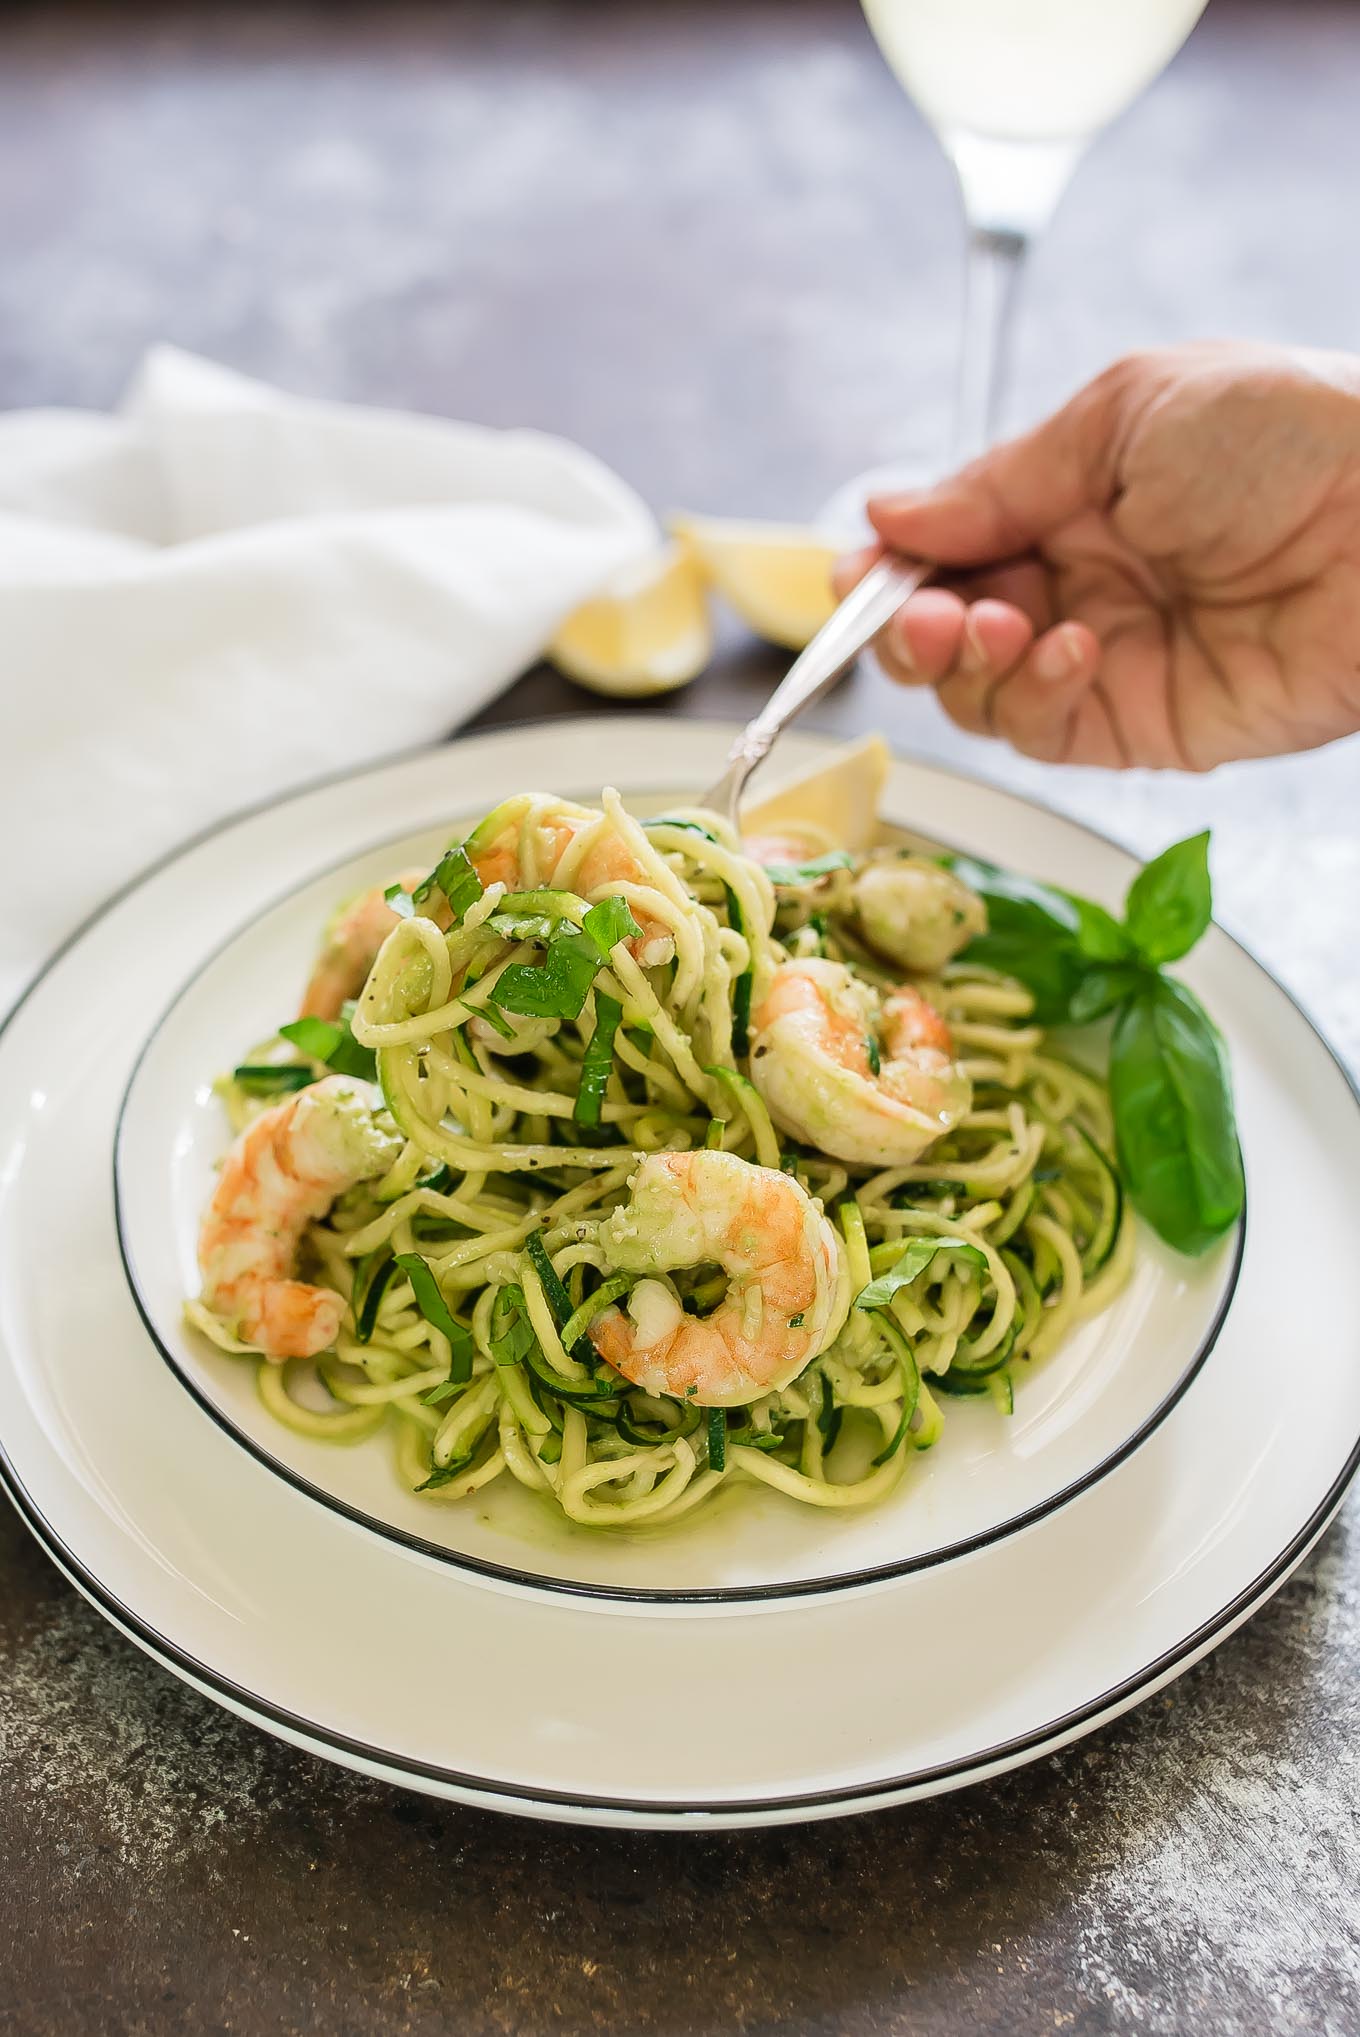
{"x":1170,"y":1085}
{"x":1173,"y":1113}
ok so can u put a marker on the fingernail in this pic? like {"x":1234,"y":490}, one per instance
{"x":1058,"y":656}
{"x":972,"y":658}
{"x":892,"y":505}
{"x":902,"y":646}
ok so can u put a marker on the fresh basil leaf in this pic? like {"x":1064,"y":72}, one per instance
{"x":914,"y":1261}
{"x":1171,"y":901}
{"x":1101,"y":990}
{"x":558,"y":986}
{"x":1099,"y":934}
{"x":1048,"y":963}
{"x":432,"y":1305}
{"x":1171,"y":1094}
{"x":1003,"y":889}
{"x":1033,"y":934}
{"x":808,"y":873}
{"x":454,"y":875}
{"x":511,"y":1336}
{"x":331,"y":1041}
{"x":598,"y":1061}
{"x":608,"y":923}
{"x":263,"y":1078}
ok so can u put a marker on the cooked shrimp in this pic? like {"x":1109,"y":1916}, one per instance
{"x":790,"y":845}
{"x":606,"y":863}
{"x":916,"y":912}
{"x":282,"y":1173}
{"x":788,"y":1282}
{"x":498,"y":861}
{"x":350,"y":945}
{"x":812,"y":1061}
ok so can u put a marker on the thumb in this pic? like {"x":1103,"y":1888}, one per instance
{"x":1009,"y":500}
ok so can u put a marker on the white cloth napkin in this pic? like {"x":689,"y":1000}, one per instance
{"x":222,"y":591}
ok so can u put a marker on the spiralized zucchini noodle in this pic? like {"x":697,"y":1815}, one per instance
{"x":645,"y":1161}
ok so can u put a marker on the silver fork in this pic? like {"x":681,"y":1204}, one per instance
{"x":844,"y":634}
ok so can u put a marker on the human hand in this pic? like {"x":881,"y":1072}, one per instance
{"x":1165,"y":573}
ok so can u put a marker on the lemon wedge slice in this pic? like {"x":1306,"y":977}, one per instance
{"x":776,"y":576}
{"x":649,"y":632}
{"x":840,"y":798}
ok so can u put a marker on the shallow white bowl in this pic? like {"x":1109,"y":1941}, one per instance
{"x":1077,"y":1414}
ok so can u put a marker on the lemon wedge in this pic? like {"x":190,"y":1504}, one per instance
{"x":649,"y":632}
{"x":840,"y":798}
{"x":777,"y":576}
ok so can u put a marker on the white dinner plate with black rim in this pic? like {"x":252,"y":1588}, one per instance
{"x":1042,"y":1577}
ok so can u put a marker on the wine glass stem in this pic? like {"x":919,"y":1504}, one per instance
{"x":995,"y":257}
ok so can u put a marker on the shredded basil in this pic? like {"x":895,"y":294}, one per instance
{"x":432,"y":1305}
{"x":914,"y":1261}
{"x":332,"y":1041}
{"x":511,"y":1336}
{"x":598,"y":1061}
{"x":376,"y":1284}
{"x":454,"y":875}
{"x":608,"y":923}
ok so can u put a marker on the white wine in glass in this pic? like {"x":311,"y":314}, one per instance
{"x":1015,"y":89}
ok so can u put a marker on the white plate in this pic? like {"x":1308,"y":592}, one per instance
{"x":399,"y":1663}
{"x":1077,"y":1414}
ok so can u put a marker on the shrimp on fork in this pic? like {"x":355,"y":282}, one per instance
{"x":788,"y":1279}
{"x":869,"y":1078}
{"x":578,"y":852}
{"x":282,"y":1174}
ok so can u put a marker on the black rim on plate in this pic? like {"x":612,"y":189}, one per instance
{"x":1006,"y":1753}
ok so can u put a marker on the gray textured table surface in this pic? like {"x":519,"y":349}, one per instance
{"x":713,"y":243}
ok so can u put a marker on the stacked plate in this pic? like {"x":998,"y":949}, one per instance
{"x":1030,"y":1578}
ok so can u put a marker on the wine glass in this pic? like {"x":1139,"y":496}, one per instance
{"x":1014,"y":90}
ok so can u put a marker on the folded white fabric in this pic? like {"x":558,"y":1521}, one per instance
{"x":223,"y":591}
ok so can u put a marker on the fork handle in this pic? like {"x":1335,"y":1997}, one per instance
{"x":852,"y":625}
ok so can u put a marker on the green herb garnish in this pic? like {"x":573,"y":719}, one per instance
{"x":432,"y":1305}
{"x":1170,"y":1085}
{"x":913,"y":1263}
{"x":597,"y":1061}
{"x":331,"y":1041}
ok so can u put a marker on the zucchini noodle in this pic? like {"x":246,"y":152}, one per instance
{"x":570,"y":1000}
